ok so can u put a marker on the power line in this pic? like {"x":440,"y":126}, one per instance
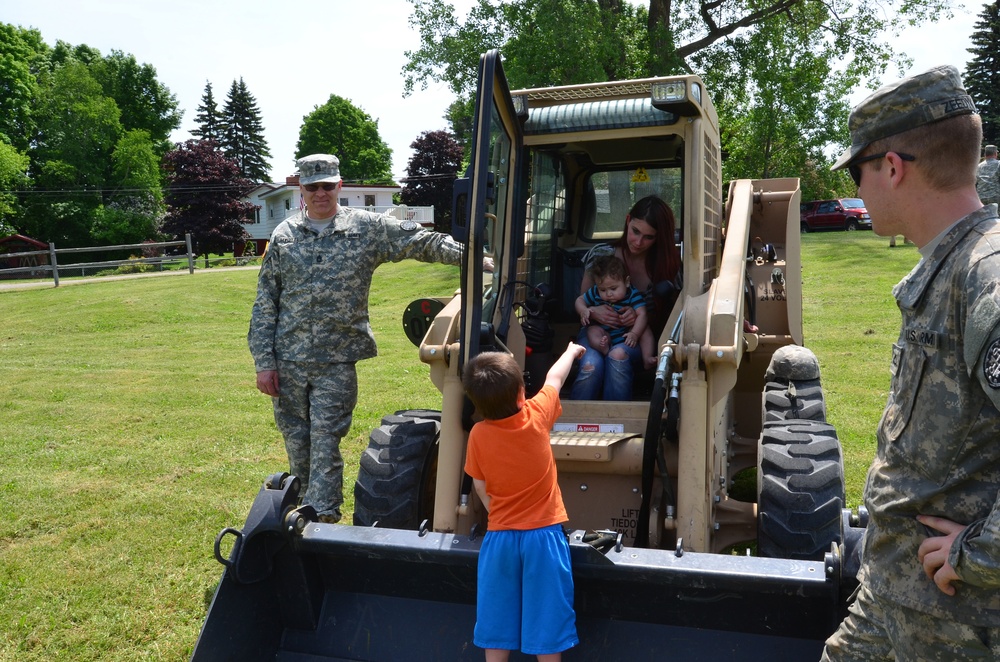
{"x":115,"y":191}
{"x":212,"y":188}
{"x":428,"y":178}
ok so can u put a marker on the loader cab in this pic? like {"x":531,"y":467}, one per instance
{"x":554,"y":172}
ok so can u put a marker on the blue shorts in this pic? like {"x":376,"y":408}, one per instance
{"x":524,"y":600}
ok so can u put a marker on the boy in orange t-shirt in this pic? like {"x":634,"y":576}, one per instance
{"x":524,"y":599}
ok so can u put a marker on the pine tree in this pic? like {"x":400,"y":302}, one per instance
{"x":982,"y":74}
{"x":209,"y":118}
{"x":243,"y":133}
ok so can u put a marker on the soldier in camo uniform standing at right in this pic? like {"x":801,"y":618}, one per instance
{"x":988,"y":177}
{"x":310,"y":326}
{"x":930,"y":566}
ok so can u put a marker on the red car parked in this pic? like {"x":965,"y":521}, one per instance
{"x":839,"y":214}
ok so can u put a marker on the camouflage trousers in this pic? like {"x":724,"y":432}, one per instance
{"x":313,"y":413}
{"x":878,"y":630}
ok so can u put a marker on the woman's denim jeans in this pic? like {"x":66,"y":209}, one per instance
{"x":598,"y":373}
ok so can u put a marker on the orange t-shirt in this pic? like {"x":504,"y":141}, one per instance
{"x":514,"y":456}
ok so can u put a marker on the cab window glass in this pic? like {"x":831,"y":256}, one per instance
{"x":499,"y":165}
{"x":616,"y":191}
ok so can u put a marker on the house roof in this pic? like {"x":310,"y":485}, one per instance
{"x":20,"y":238}
{"x":278,"y":189}
{"x":263,"y":186}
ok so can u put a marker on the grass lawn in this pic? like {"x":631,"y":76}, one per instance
{"x":131,"y":433}
{"x":851,"y":321}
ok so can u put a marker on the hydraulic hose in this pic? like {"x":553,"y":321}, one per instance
{"x":650,"y":445}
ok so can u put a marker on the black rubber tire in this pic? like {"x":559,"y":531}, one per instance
{"x":852,"y":225}
{"x":800,"y":490}
{"x":397,"y":472}
{"x":792,"y":388}
{"x":800,"y":399}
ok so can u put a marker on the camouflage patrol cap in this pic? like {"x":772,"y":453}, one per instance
{"x":318,"y":168}
{"x":934,"y":95}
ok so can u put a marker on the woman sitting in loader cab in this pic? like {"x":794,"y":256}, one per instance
{"x":654,"y":268}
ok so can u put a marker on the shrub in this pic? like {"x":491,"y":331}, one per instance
{"x":133,"y":266}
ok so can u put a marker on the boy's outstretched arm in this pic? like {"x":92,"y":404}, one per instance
{"x":559,"y":371}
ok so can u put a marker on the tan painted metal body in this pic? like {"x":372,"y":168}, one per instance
{"x":720,"y":365}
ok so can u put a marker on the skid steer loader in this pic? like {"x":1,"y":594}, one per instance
{"x":707,"y":514}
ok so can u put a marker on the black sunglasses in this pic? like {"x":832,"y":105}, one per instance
{"x":856,"y":171}
{"x":315,"y":187}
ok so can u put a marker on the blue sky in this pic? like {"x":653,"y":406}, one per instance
{"x":943,"y":42}
{"x":292,"y":59}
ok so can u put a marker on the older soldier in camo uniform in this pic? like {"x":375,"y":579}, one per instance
{"x":988,"y":177}
{"x":310,"y":326}
{"x":930,"y":572}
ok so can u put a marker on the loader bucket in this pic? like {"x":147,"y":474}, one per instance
{"x":355,"y":593}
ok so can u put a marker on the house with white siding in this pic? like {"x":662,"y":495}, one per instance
{"x":275,"y":202}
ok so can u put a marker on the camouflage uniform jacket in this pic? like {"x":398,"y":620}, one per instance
{"x":988,"y":181}
{"x":939,"y":437}
{"x":312,"y":293}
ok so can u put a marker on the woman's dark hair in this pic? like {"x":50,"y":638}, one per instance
{"x":663,"y":260}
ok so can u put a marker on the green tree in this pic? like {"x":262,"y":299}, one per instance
{"x":431,"y":173}
{"x":18,"y":87}
{"x":78,"y":129}
{"x":982,"y":73}
{"x":13,"y":177}
{"x":83,"y":120}
{"x":78,"y":125}
{"x":243,"y":133}
{"x":544,"y":42}
{"x":64,"y":52}
{"x":341,"y":128}
{"x":209,"y":118}
{"x":460,"y":115}
{"x":204,"y":191}
{"x":781,"y":107}
{"x":145,"y":103}
{"x":134,"y":208}
{"x":848,"y":40}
